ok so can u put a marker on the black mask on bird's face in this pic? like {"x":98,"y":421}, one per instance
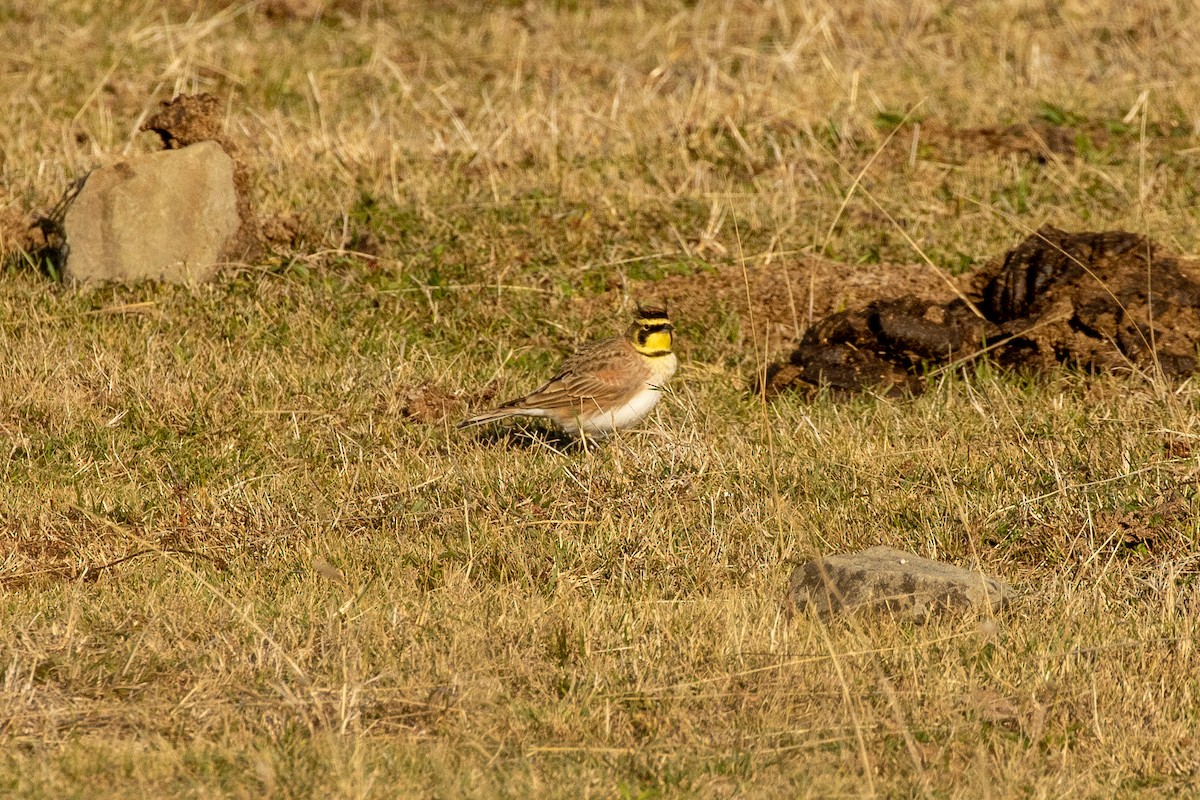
{"x":651,"y":332}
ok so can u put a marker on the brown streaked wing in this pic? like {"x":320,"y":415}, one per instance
{"x":601,"y":375}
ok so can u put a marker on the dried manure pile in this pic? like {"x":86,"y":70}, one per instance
{"x":1110,"y":301}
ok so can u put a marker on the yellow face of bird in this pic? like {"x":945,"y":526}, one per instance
{"x":650,"y":333}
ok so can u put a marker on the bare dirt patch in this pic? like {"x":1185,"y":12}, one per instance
{"x":311,"y":10}
{"x":1156,"y":525}
{"x":429,"y":404}
{"x":1062,"y":137}
{"x":21,"y":235}
{"x":1043,"y":141}
{"x":784,"y":298}
{"x":16,"y":233}
{"x":1109,"y":301}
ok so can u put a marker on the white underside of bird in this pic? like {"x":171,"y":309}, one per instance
{"x":616,"y":403}
{"x":602,"y":423}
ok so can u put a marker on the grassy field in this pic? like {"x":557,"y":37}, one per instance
{"x":245,"y":553}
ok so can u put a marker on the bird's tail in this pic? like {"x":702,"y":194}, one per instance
{"x":503,"y":412}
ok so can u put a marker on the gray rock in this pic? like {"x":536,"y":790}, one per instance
{"x":165,"y":216}
{"x":883,"y":578}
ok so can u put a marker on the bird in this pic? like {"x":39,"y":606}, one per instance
{"x":607,"y":385}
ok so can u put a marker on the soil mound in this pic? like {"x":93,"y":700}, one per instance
{"x":19,"y":234}
{"x":28,"y":238}
{"x":1107,"y":301}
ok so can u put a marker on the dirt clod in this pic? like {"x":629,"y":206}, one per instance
{"x":1109,"y":301}
{"x":17,"y":233}
{"x":287,"y":230}
{"x":188,"y":119}
{"x":428,"y":404}
{"x":23,"y":235}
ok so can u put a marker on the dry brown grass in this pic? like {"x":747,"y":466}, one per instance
{"x":327,"y":593}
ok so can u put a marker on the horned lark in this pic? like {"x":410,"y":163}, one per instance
{"x":608,"y":385}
